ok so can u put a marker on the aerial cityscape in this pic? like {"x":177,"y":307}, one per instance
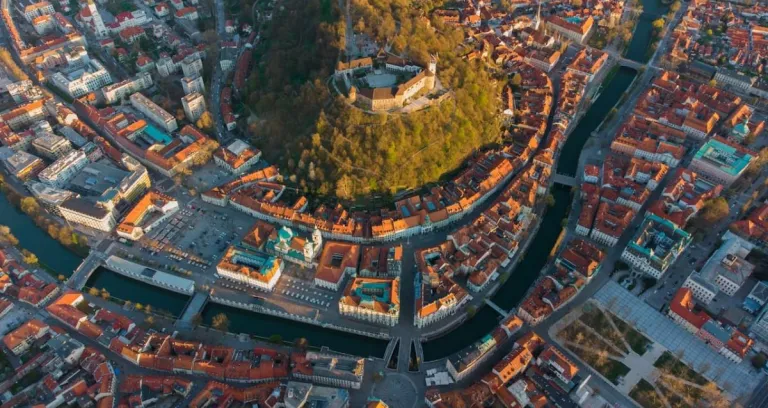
{"x":384,"y":203}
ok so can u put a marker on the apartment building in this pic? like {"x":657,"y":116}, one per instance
{"x":192,"y":66}
{"x":154,"y":112}
{"x":194,"y":106}
{"x":31,"y":9}
{"x":51,"y":146}
{"x":62,"y":170}
{"x":21,"y":339}
{"x":123,"y":89}
{"x":192,"y":84}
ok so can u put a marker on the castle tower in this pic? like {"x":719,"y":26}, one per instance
{"x":431,"y":73}
{"x":317,"y":240}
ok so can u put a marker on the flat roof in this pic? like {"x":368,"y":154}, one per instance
{"x":96,"y":178}
{"x":728,"y":158}
{"x":152,"y":274}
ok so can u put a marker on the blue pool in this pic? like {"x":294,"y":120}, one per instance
{"x":157,"y":135}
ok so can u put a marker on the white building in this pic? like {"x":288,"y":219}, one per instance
{"x":725,"y":271}
{"x":237,"y":157}
{"x":194,"y":106}
{"x":192,"y":66}
{"x":152,"y":111}
{"x":62,"y":170}
{"x":32,"y":9}
{"x":90,"y":16}
{"x":52,"y":146}
{"x":79,"y":82}
{"x":123,"y":89}
{"x":88,"y":213}
{"x":192,"y":84}
{"x":43,"y":24}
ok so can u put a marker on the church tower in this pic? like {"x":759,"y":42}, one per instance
{"x":537,"y":24}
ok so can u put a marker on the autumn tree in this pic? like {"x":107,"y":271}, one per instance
{"x":7,"y":60}
{"x":7,"y":237}
{"x":205,"y":122}
{"x":30,"y":206}
{"x":714,"y":210}
{"x":221,"y":322}
{"x":29,"y":257}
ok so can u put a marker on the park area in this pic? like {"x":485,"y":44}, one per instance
{"x":677,"y":385}
{"x":638,"y":367}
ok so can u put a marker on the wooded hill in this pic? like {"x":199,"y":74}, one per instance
{"x":327,"y":148}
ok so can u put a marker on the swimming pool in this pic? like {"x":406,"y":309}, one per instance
{"x":157,"y":135}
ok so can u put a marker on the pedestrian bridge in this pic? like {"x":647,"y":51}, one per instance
{"x":631,"y":64}
{"x":497,"y":308}
{"x":194,"y":306}
{"x":566,"y":180}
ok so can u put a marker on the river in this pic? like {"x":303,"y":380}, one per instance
{"x":58,"y":258}
{"x":643,"y":35}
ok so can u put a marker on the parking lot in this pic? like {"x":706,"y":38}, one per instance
{"x":301,"y":291}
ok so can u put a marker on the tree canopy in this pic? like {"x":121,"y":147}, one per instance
{"x":714,"y":210}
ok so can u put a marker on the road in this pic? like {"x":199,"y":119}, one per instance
{"x":218,"y":76}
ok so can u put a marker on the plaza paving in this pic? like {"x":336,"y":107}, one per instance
{"x":381,"y":79}
{"x":737,"y":379}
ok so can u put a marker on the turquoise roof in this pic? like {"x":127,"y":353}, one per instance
{"x":285,"y":234}
{"x":728,"y":158}
{"x":742,"y":129}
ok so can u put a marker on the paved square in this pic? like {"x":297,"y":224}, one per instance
{"x":737,"y":379}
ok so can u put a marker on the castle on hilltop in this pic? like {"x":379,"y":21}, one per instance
{"x":388,"y":82}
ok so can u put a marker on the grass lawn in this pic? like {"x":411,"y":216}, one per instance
{"x":576,"y":333}
{"x":679,"y":369}
{"x":597,"y":320}
{"x":673,"y":398}
{"x":610,"y":369}
{"x":636,"y":340}
{"x":644,"y":394}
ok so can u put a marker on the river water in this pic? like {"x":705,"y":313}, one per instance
{"x":641,"y":39}
{"x":58,"y":258}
